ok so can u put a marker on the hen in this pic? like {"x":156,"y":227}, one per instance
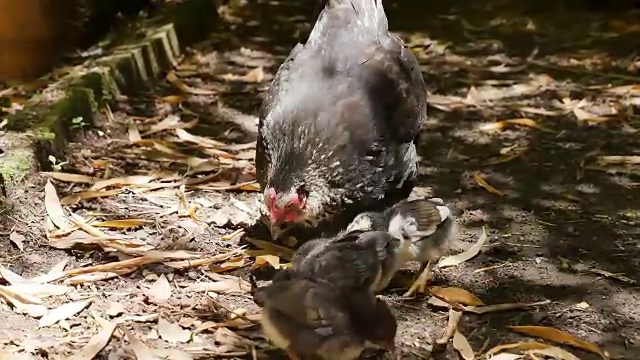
{"x":338,"y":126}
{"x":427,"y":228}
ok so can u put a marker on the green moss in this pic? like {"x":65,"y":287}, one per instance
{"x":16,"y":163}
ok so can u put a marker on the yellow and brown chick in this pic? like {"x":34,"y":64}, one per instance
{"x":426,"y":227}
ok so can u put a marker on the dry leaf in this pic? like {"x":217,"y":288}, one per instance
{"x":123,"y":181}
{"x":172,"y":99}
{"x":507,"y":356}
{"x":619,"y":160}
{"x":503,"y":307}
{"x":18,"y":239}
{"x":499,"y":125}
{"x":521,"y":346}
{"x":466,"y":255}
{"x":23,"y":304}
{"x":139,"y":348}
{"x":53,"y":207}
{"x":39,"y":291}
{"x":122,"y":224}
{"x":114,"y":309}
{"x":87,"y":195}
{"x":160,"y":291}
{"x":173,"y":79}
{"x":224,"y":286}
{"x":461,"y":344}
{"x":134,"y":133}
{"x":262,"y":260}
{"x":74,"y":178}
{"x":452,"y":326}
{"x":485,"y":185}
{"x":97,"y":342}
{"x":62,"y":312}
{"x":275,"y":249}
{"x":233,"y":264}
{"x":172,"y":332}
{"x":558,"y":336}
{"x":554,"y":352}
{"x":455,"y":295}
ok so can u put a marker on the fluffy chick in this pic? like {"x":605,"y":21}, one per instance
{"x":426,"y":227}
{"x":312,"y":319}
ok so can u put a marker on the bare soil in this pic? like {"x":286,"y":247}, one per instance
{"x":559,"y":215}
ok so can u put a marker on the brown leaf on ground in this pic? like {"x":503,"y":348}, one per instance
{"x":558,"y":336}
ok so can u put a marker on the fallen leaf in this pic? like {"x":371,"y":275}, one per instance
{"x":232,"y":264}
{"x":172,"y":99}
{"x":485,"y":185}
{"x":499,"y":125}
{"x":223,"y":286}
{"x":140,"y":349}
{"x":123,"y":181}
{"x":452,"y":326}
{"x":461,"y":344}
{"x":62,"y":312}
{"x":506,"y":356}
{"x":521,"y":346}
{"x":619,"y":160}
{"x":53,"y":207}
{"x":39,"y":291}
{"x":114,"y":309}
{"x":160,"y":291}
{"x":97,"y":342}
{"x":275,"y":249}
{"x":582,"y":305}
{"x":466,"y":255}
{"x":134,"y":133}
{"x":73,"y":178}
{"x":87,"y":195}
{"x":455,"y":295}
{"x":172,"y":332}
{"x":123,"y":224}
{"x":263,"y":260}
{"x":18,"y":239}
{"x":178,"y":83}
{"x":558,"y":336}
{"x":554,"y":352}
{"x":503,"y":307}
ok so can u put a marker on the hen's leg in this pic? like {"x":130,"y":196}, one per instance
{"x":420,"y":284}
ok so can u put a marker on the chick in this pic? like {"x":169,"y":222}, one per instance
{"x":349,"y":257}
{"x":312,"y":319}
{"x":426,"y":227}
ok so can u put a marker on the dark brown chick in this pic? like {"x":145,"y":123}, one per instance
{"x":427,"y":228}
{"x":312,"y":319}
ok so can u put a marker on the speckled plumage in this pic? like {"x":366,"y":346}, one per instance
{"x":342,"y":116}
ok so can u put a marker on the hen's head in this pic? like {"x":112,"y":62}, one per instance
{"x":287,"y":206}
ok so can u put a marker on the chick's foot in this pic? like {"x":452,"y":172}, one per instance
{"x":420,"y":285}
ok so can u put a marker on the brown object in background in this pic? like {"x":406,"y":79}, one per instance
{"x":33,"y":36}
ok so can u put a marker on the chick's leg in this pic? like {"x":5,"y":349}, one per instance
{"x":420,"y":284}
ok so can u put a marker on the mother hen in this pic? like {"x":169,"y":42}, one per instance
{"x":338,"y":127}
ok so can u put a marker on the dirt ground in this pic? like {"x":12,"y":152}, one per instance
{"x":562,"y":219}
